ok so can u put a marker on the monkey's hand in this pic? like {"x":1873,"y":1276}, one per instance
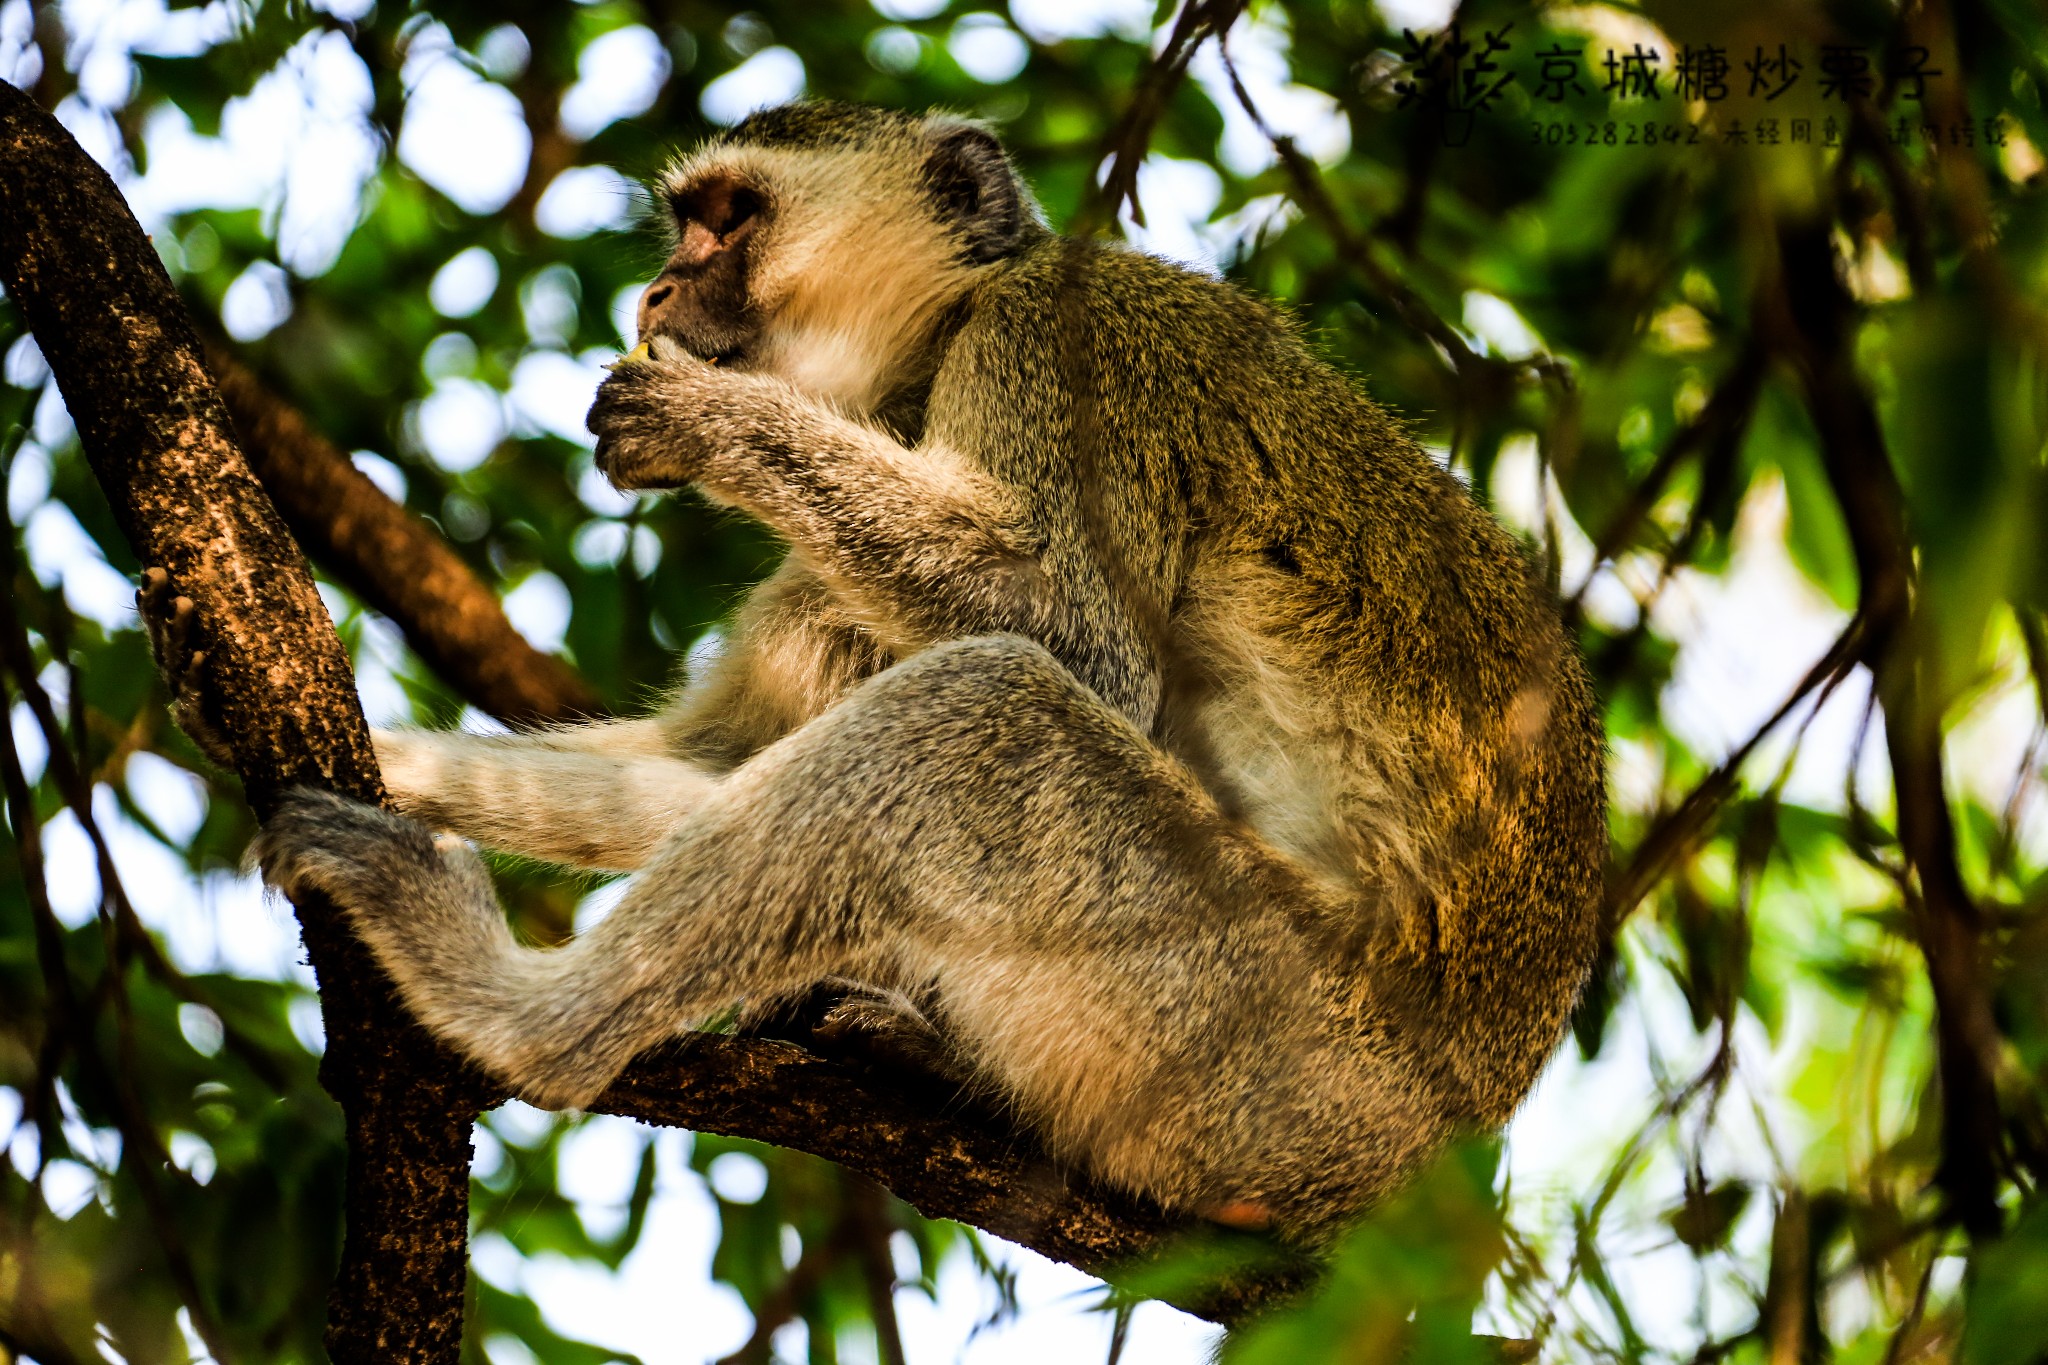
{"x":168,"y":620}
{"x":654,"y":418}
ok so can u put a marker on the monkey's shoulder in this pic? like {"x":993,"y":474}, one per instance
{"x":1125,"y":312}
{"x":1177,"y":376}
{"x":1207,"y":415}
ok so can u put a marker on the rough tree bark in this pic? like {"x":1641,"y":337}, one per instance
{"x":153,"y":429}
{"x":158,"y":438}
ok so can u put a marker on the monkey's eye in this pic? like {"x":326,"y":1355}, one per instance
{"x":721,"y":205}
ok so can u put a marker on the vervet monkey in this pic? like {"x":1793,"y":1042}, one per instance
{"x":1135,"y":694}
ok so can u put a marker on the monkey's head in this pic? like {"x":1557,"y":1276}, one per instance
{"x":822,"y":242}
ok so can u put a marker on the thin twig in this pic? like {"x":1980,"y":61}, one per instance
{"x":1894,"y":1349}
{"x":1679,"y":831}
{"x":867,"y":1212}
{"x":1668,"y":1109}
{"x":128,"y":939}
{"x":1126,"y":144}
{"x":1719,"y":424}
{"x":787,"y":1299}
{"x":1313,"y":194}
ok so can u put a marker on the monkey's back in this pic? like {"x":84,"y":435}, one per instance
{"x":1359,"y":661}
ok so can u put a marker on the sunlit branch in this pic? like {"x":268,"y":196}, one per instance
{"x":395,"y":562}
{"x":92,"y":290}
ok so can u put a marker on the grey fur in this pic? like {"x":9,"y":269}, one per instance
{"x":1134,"y":690}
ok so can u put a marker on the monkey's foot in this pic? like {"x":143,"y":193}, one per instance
{"x":887,"y":1028}
{"x":422,"y":904}
{"x":425,"y":907}
{"x":168,"y":620}
{"x":410,"y":895}
{"x":353,"y":853}
{"x":851,"y":1020}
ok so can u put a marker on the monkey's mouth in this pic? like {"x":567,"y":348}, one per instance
{"x":669,"y":346}
{"x":721,"y":346}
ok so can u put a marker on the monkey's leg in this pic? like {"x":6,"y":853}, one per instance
{"x":601,"y":796}
{"x":1133,"y":972}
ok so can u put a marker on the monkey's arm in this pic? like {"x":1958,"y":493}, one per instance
{"x":602,"y":795}
{"x":922,"y":544}
{"x":605,"y":794}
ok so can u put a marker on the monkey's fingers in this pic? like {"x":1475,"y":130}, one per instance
{"x":640,"y":444}
{"x":156,"y":603}
{"x":166,"y":619}
{"x":156,"y":583}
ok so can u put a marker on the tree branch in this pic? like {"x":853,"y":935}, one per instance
{"x":1811,"y":319}
{"x":969,"y":1166}
{"x":1718,"y":429}
{"x":393,"y":561}
{"x":158,"y":439}
{"x":1484,"y":377}
{"x":1678,"y":833}
{"x":1126,"y":144}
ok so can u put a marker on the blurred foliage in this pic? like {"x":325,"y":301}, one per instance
{"x":1590,"y":304}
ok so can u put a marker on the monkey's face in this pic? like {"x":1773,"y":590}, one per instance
{"x":701,"y":298}
{"x":824,"y":251}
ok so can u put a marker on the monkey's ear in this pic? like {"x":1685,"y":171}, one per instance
{"x":977,"y":192}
